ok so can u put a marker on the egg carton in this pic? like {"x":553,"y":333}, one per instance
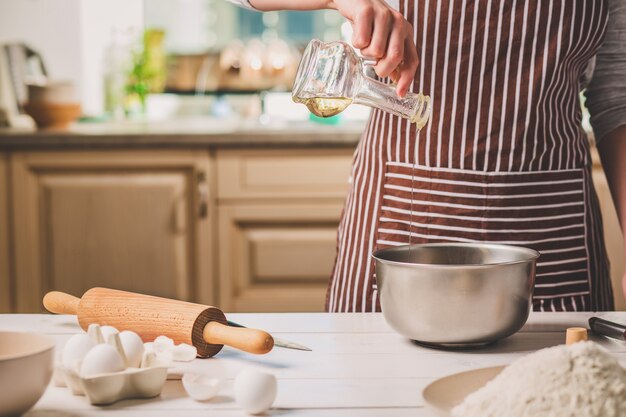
{"x":112,"y":387}
{"x":107,"y":366}
{"x":140,"y":370}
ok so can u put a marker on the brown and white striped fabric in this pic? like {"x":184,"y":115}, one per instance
{"x":503,"y":159}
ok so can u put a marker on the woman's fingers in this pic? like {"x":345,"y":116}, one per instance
{"x":394,"y":55}
{"x":377,"y":47}
{"x":362,"y":26}
{"x":406,"y":72}
{"x":382,"y":33}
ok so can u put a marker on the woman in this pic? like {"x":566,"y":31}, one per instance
{"x":504,"y":157}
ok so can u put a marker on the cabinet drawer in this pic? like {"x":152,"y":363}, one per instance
{"x":300,"y":173}
{"x":276,"y":257}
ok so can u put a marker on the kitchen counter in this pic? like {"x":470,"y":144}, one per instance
{"x":185,"y":132}
{"x":358,"y":366}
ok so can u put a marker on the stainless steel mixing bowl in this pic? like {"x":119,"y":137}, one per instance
{"x":456,"y":294}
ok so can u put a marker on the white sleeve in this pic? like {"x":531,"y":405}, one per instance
{"x":243,"y":3}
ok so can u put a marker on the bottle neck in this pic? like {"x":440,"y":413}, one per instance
{"x":414,"y":107}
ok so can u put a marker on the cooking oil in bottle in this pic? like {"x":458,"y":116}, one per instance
{"x":420,"y":121}
{"x":421,"y":113}
{"x":327,"y":106}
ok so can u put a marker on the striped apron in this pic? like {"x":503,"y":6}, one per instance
{"x":504,"y":158}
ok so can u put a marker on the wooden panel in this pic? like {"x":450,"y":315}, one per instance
{"x":282,"y":252}
{"x":612,"y":230}
{"x":5,"y":255}
{"x":276,"y":257}
{"x":120,"y":220}
{"x":115,"y":228}
{"x":301,"y":173}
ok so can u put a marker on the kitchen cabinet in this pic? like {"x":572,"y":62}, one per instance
{"x":5,"y":256}
{"x":612,"y":230}
{"x":278,"y":213}
{"x":134,"y":220}
{"x":169,"y":222}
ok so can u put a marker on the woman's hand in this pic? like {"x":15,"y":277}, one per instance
{"x":384,"y":34}
{"x":380,"y":32}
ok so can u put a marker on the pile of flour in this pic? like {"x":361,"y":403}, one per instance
{"x":581,"y":379}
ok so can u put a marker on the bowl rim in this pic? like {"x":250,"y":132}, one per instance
{"x":531,"y":253}
{"x":49,"y":345}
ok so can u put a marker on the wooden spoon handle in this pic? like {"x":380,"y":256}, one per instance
{"x":61,"y":303}
{"x":248,"y":340}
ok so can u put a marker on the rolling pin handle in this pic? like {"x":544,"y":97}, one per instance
{"x":61,"y":303}
{"x":248,"y":340}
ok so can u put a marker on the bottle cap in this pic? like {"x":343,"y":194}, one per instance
{"x":575,"y":334}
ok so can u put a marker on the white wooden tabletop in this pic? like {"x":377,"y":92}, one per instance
{"x":358,"y":366}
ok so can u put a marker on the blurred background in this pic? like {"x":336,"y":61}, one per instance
{"x":161,"y":58}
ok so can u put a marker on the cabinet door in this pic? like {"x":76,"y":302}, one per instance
{"x":612,"y":230}
{"x":5,"y":269}
{"x":122,"y":220}
{"x":276,"y":257}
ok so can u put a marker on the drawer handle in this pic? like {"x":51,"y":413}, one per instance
{"x":203,"y":195}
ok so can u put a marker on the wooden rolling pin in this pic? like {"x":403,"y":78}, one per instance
{"x":199,"y":325}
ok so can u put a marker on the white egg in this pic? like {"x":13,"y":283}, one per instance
{"x":75,"y":350}
{"x":133,"y":348}
{"x":184,"y":352}
{"x":255,"y":391}
{"x":107,"y":331}
{"x":101,"y":359}
{"x":202,"y":387}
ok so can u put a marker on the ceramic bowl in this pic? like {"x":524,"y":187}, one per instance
{"x":52,"y":115}
{"x":26,"y":364}
{"x":53,"y":92}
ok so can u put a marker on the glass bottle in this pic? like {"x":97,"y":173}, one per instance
{"x":331,"y":76}
{"x":116,"y":65}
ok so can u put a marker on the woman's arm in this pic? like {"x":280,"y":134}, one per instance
{"x":379,"y":32}
{"x":606,"y":100}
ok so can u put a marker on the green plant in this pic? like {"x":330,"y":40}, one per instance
{"x":148,"y":69}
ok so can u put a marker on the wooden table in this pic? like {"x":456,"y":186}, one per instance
{"x":358,"y":366}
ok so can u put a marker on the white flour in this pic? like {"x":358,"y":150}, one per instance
{"x":581,"y":380}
